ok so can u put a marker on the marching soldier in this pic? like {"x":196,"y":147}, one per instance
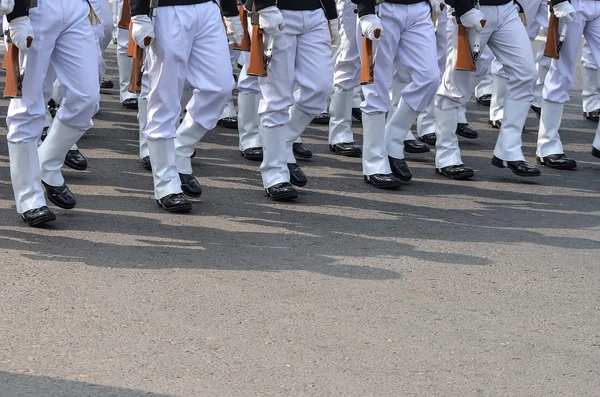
{"x":301,"y":55}
{"x":63,"y":38}
{"x":506,"y":36}
{"x":129,"y":100}
{"x":187,"y":42}
{"x":407,"y":39}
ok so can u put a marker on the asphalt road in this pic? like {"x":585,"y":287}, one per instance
{"x":444,"y":288}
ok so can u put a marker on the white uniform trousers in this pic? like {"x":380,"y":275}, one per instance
{"x":561,"y":75}
{"x":123,"y":61}
{"x":408,"y":42}
{"x":248,"y":101}
{"x":590,"y":75}
{"x":507,"y":38}
{"x":301,"y":57}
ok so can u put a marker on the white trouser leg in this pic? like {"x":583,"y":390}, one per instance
{"x":248,"y":120}
{"x":375,"y":157}
{"x":486,"y":85}
{"x":508,"y":145}
{"x":596,"y":143}
{"x":297,"y":123}
{"x":447,"y":151}
{"x":164,"y":171}
{"x":590,"y":94}
{"x":186,"y":95}
{"x":229,"y":110}
{"x":189,"y":134}
{"x":53,"y":150}
{"x":497,"y":103}
{"x":397,"y":128}
{"x":25,"y":176}
{"x":426,"y":121}
{"x":346,"y":71}
{"x":400,"y":79}
{"x":340,"y":117}
{"x":142,"y":120}
{"x":273,"y":168}
{"x":124,"y":64}
{"x":548,"y":138}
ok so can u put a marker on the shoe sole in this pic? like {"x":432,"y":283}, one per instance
{"x":297,"y":183}
{"x":321,"y":121}
{"x":191,"y":195}
{"x":41,"y":221}
{"x":345,"y":154}
{"x":412,"y":151}
{"x":461,"y":176}
{"x":230,"y":126}
{"x":402,"y":178}
{"x":559,"y":167}
{"x":283,"y":197}
{"x":432,"y":144}
{"x":75,"y":167}
{"x":587,"y":117}
{"x":498,"y":163}
{"x":467,"y":136}
{"x":596,"y":153}
{"x":300,"y":157}
{"x":385,"y":186}
{"x":252,"y":158}
{"x":181,"y":209}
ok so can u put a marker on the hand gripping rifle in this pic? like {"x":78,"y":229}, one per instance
{"x":259,"y":55}
{"x":137,"y":54}
{"x":245,"y":44}
{"x":554,"y":42}
{"x":467,"y":53}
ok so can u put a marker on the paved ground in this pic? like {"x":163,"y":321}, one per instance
{"x":484,"y":288}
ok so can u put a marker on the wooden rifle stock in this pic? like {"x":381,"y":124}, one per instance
{"x":367,"y":74}
{"x":552,"y":38}
{"x":135,"y":79}
{"x":11,"y":64}
{"x":245,"y":44}
{"x":464,"y":52}
{"x":125,"y":16}
{"x":131,"y":44}
{"x":258,"y":64}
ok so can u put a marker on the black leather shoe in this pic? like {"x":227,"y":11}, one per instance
{"x":131,"y":103}
{"x":322,"y":118}
{"x":456,"y":172}
{"x":193,"y":154}
{"x":106,"y":84}
{"x":595,"y":152}
{"x":537,"y":111}
{"x":38,"y":216}
{"x":44,"y":134}
{"x":60,"y":196}
{"x":383,"y":181}
{"x":413,"y":146}
{"x":593,"y":115}
{"x":357,"y":115}
{"x":177,"y":203}
{"x":485,"y":100}
{"x":348,"y":149}
{"x":75,"y":160}
{"x":53,"y":107}
{"x":520,"y":168}
{"x":429,"y":139}
{"x":301,"y":152}
{"x":297,"y":176}
{"x":190,"y":185}
{"x":558,"y":161}
{"x":253,"y":154}
{"x":464,"y":130}
{"x":400,"y":169}
{"x":146,"y":163}
{"x":282,"y":192}
{"x":228,"y":122}
{"x":497,"y":124}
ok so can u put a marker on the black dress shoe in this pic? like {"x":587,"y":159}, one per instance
{"x":322,"y":118}
{"x":413,"y":146}
{"x":44,"y":134}
{"x":400,"y":169}
{"x":228,"y":122}
{"x":282,"y":192}
{"x":357,"y":115}
{"x":595,"y":152}
{"x":520,"y":168}
{"x":190,"y":185}
{"x":429,"y":139}
{"x":297,"y":176}
{"x":593,"y":115}
{"x":253,"y":154}
{"x":464,"y":130}
{"x":497,"y":124}
{"x":53,"y":107}
{"x":38,"y":216}
{"x":60,"y":196}
{"x":348,"y":149}
{"x":383,"y":181}
{"x":456,"y":172}
{"x":75,"y":160}
{"x":131,"y":103}
{"x":485,"y":100}
{"x":558,"y":161}
{"x":193,"y":154}
{"x":106,"y":84}
{"x":177,"y":203}
{"x":537,"y":111}
{"x":301,"y":152}
{"x":146,"y":163}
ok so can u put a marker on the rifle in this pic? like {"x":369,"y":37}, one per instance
{"x":367,"y":74}
{"x":14,"y":77}
{"x":553,"y":41}
{"x":135,"y":79}
{"x":245,"y":44}
{"x":125,"y":16}
{"x":467,"y":55}
{"x":259,"y":55}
